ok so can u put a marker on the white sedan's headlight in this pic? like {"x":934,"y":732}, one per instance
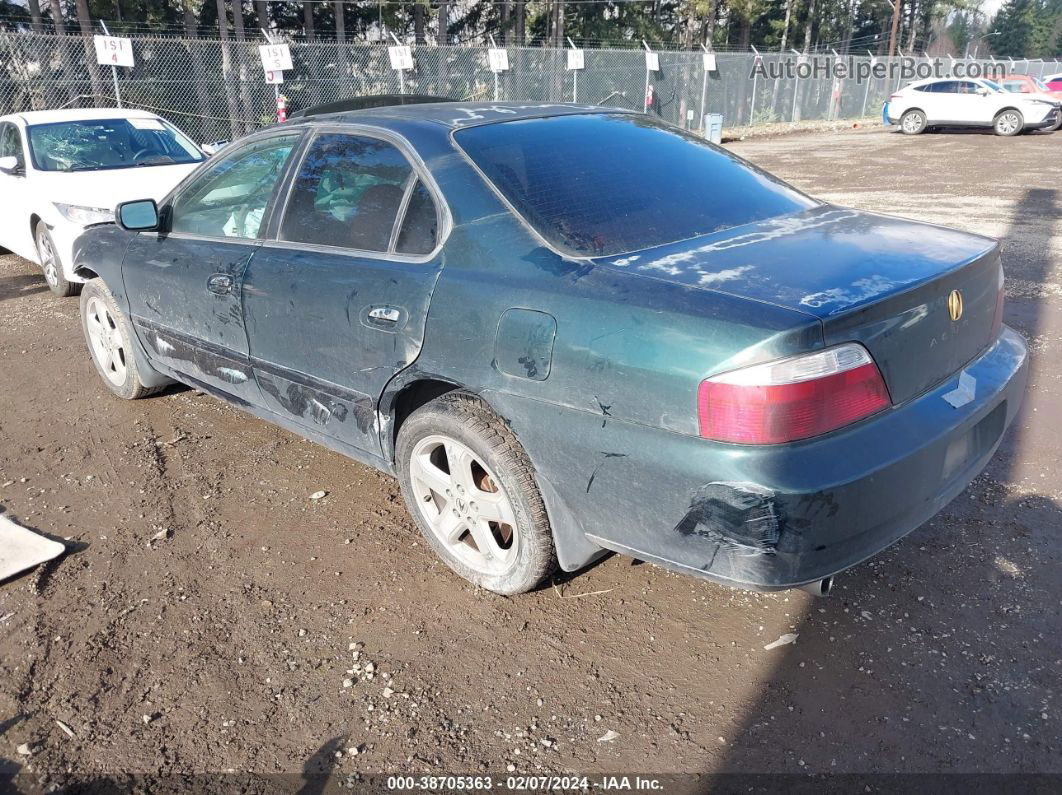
{"x":85,"y":216}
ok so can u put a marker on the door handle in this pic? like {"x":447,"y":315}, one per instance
{"x":385,"y":314}
{"x":220,"y":283}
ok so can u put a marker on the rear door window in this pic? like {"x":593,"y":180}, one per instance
{"x":349,"y":193}
{"x":605,"y":184}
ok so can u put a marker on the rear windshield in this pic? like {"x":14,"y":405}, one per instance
{"x":606,"y":184}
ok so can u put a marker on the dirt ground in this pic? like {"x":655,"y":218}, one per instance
{"x":203,"y":619}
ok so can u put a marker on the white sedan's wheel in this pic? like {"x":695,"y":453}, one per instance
{"x":105,"y":340}
{"x":459,"y":499}
{"x":51,"y":264}
{"x":1009,"y":122}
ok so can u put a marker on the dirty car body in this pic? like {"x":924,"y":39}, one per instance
{"x":606,"y":284}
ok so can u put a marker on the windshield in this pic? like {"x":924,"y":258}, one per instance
{"x":606,"y":184}
{"x":98,"y":144}
{"x":993,"y":86}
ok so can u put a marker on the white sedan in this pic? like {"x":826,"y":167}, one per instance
{"x":926,"y":104}
{"x":64,"y":170}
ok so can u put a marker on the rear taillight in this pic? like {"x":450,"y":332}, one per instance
{"x":997,"y":318}
{"x":792,"y":399}
{"x":894,"y":96}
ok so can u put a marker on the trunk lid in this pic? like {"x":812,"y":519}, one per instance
{"x":884,"y":282}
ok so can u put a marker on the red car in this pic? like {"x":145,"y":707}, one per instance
{"x":1027,"y":84}
{"x":1053,"y":82}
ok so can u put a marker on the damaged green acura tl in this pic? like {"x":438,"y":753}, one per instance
{"x":569,"y":330}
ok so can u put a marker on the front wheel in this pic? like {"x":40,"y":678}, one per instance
{"x":51,"y":263}
{"x":471,"y":489}
{"x":913,"y":122}
{"x":1008,"y":123}
{"x":110,"y":342}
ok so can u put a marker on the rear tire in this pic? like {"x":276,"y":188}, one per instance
{"x":51,"y":264}
{"x":913,"y":122}
{"x":471,"y":490}
{"x":110,"y":342}
{"x":1008,"y":123}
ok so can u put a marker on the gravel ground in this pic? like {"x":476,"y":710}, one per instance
{"x":210,"y":616}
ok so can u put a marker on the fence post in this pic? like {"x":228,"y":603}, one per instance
{"x":114,"y":71}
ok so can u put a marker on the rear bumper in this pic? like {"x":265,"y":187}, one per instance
{"x":769,"y":518}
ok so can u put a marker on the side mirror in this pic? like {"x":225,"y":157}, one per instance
{"x":9,"y":164}
{"x":138,"y":216}
{"x":984,"y":92}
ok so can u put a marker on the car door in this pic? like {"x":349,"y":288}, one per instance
{"x":15,"y":200}
{"x":974,"y":103}
{"x":184,"y":282}
{"x":336,"y":305}
{"x":945,"y":104}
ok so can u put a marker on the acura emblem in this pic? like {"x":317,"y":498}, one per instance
{"x":955,"y":305}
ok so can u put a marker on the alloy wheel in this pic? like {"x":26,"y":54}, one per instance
{"x":464,"y":504}
{"x":912,"y":123}
{"x":49,"y":262}
{"x":107,"y":344}
{"x":1008,"y":123}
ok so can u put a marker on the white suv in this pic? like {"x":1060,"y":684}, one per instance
{"x":926,"y":104}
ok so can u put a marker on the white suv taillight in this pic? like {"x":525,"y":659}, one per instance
{"x":792,"y":399}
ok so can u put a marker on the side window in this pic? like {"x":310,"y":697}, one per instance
{"x":348,"y":193}
{"x":230,"y":199}
{"x":929,"y":88}
{"x":11,"y":143}
{"x":420,"y":227}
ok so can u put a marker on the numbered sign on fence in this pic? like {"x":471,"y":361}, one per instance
{"x":709,"y":61}
{"x":499,"y":60}
{"x":275,"y":57}
{"x":575,"y":59}
{"x":113,"y":51}
{"x":652,"y":61}
{"x":274,"y":77}
{"x":401,"y":57}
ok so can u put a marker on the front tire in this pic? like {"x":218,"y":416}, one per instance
{"x":110,"y":342}
{"x":52,"y":264}
{"x":1008,"y":123}
{"x":471,"y":489}
{"x":913,"y":122}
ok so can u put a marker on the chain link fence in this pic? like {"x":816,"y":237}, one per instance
{"x":216,"y":89}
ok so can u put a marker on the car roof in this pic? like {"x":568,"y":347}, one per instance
{"x":462,"y":114}
{"x":78,"y":114}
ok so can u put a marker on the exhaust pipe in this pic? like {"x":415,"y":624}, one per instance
{"x":819,"y":587}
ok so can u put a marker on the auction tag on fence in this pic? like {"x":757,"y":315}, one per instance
{"x":275,"y":57}
{"x":575,"y":59}
{"x":709,"y":61}
{"x":652,"y":61}
{"x":401,"y":57}
{"x":499,"y":60}
{"x":113,"y":51}
{"x":274,"y":77}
